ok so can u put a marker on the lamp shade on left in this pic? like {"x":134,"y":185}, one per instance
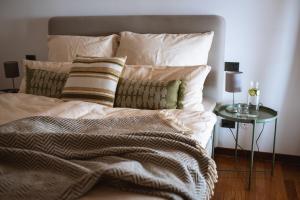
{"x":11,"y":69}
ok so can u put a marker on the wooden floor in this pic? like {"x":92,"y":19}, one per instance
{"x":285,"y":184}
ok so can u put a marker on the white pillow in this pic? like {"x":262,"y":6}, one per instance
{"x":65,"y":48}
{"x":165,"y":49}
{"x":194,"y":77}
{"x":58,"y":67}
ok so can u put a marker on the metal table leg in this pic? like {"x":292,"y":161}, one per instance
{"x":274,"y":143}
{"x":213,"y":143}
{"x":236,"y":141}
{"x":252,"y":155}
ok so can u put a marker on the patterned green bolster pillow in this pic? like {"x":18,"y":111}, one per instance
{"x":147,"y":94}
{"x":45,"y":83}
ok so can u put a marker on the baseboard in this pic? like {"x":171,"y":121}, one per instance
{"x":259,"y":155}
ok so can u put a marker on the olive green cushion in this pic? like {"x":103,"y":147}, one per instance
{"x":45,"y":83}
{"x":147,"y":94}
{"x":181,"y":92}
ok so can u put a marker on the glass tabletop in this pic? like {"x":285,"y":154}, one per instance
{"x":263,"y":115}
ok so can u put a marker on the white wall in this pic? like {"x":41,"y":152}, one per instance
{"x":261,"y":35}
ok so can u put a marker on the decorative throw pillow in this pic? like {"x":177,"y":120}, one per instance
{"x":147,"y":94}
{"x":45,"y":83}
{"x":192,"y":77}
{"x":165,"y":49}
{"x":66,"y":47}
{"x":94,"y":79}
{"x":57,"y":67}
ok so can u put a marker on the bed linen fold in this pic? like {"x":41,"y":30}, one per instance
{"x":20,"y":105}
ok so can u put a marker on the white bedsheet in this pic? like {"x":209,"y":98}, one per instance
{"x":17,"y":106}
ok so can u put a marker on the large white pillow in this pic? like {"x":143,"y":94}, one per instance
{"x":193,"y":76}
{"x":65,"y":48}
{"x":165,"y":49}
{"x":58,"y":67}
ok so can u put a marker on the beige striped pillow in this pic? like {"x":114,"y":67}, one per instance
{"x":94,"y":79}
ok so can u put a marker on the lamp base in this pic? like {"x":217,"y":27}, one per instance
{"x":232,"y":108}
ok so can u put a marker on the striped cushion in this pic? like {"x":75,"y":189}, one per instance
{"x":94,"y":79}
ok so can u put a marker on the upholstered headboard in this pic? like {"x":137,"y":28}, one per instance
{"x":104,"y":25}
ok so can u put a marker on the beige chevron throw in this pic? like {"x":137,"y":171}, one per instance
{"x":53,"y":158}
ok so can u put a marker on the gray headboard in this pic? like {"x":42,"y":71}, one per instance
{"x":104,"y":25}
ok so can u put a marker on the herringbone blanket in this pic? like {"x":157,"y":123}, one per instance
{"x":55,"y":158}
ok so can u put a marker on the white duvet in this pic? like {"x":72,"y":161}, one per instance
{"x":19,"y":105}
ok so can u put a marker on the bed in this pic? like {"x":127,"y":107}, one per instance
{"x":19,"y":106}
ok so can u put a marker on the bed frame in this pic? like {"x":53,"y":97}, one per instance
{"x":105,"y":25}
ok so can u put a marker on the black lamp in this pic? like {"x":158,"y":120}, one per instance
{"x":11,"y":69}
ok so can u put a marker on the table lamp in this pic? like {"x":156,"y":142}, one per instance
{"x":11,"y":70}
{"x":233,"y":85}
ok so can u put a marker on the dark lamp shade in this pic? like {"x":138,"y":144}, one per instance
{"x":233,"y":81}
{"x":11,"y":69}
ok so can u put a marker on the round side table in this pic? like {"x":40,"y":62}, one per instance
{"x":263,"y":115}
